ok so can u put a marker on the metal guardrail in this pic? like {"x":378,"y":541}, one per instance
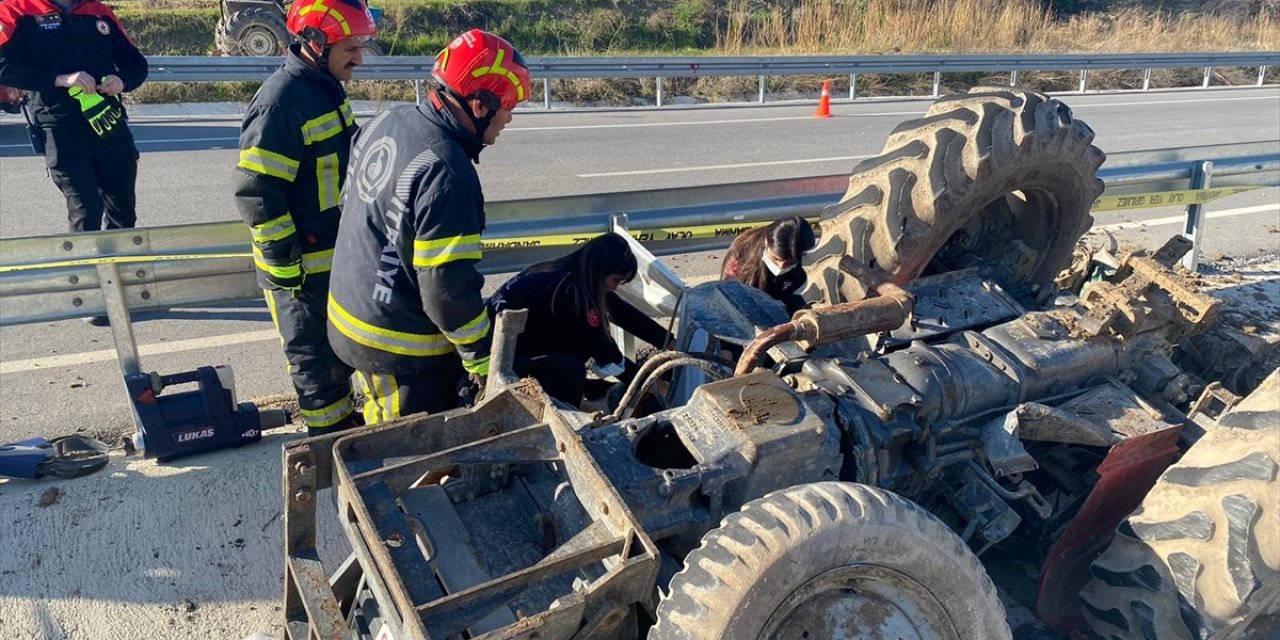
{"x":57,"y":277}
{"x":418,"y":68}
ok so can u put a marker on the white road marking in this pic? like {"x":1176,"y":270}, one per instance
{"x":235,"y":141}
{"x":1176,"y":102}
{"x":714,"y":167}
{"x":691,"y":123}
{"x":1157,"y":222}
{"x":108,"y":355}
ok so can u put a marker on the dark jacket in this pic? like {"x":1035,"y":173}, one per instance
{"x":405,"y":291}
{"x":40,"y":41}
{"x":294,"y":145}
{"x":560,"y":323}
{"x":743,"y":262}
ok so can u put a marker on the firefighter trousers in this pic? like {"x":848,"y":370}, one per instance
{"x":96,"y":174}
{"x":323,"y":382}
{"x":392,"y":395}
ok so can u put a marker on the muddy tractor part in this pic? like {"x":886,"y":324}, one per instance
{"x":833,"y":474}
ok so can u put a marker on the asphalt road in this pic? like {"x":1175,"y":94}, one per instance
{"x":57,"y":378}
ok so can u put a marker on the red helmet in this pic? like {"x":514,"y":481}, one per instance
{"x":480,"y":61}
{"x":328,"y":21}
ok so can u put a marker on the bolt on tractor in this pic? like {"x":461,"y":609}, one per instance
{"x":966,"y":383}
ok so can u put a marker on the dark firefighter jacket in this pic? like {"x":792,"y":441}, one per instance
{"x":784,"y":287}
{"x":40,"y":41}
{"x":294,"y":144}
{"x":405,"y":291}
{"x":558,"y":323}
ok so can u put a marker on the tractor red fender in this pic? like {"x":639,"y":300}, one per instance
{"x":1125,"y":476}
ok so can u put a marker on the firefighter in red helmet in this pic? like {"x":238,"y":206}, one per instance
{"x":294,"y":145}
{"x":405,"y":308}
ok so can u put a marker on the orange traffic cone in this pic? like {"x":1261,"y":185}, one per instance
{"x":824,"y":103}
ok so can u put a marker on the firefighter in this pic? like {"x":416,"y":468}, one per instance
{"x":75,"y":60}
{"x":572,"y":304}
{"x":405,"y":308}
{"x":294,"y":145}
{"x":768,"y":258}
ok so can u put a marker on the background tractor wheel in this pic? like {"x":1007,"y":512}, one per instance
{"x":254,"y":32}
{"x":1202,"y":553}
{"x":826,"y":560}
{"x":996,"y":177}
{"x":372,"y":48}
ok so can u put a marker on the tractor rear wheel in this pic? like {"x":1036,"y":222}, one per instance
{"x":1201,"y":556}
{"x":254,"y":32}
{"x":998,"y":178}
{"x":827,"y":560}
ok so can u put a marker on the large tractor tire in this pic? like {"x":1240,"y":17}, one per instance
{"x":1201,"y":557}
{"x":253,"y":32}
{"x":828,"y":560}
{"x":996,"y":177}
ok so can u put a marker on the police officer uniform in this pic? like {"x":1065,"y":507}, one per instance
{"x":294,"y":146}
{"x":88,"y":147}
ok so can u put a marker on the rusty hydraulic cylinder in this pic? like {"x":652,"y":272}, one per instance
{"x":825,"y":325}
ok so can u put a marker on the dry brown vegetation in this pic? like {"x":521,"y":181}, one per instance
{"x":980,"y":26}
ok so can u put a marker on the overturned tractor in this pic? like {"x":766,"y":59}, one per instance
{"x":837,"y":473}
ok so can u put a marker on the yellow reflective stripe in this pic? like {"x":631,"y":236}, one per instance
{"x":407,"y":344}
{"x":472,"y":331}
{"x":327,"y":180}
{"x":348,"y":117}
{"x":371,"y":410}
{"x":320,"y":6}
{"x":274,"y":229}
{"x":499,"y":70}
{"x":321,"y":128}
{"x":479,"y":367}
{"x":433,"y":253}
{"x":329,"y":415}
{"x":390,"y":397}
{"x":270,"y":163}
{"x":317,"y":261}
{"x":282,"y":271}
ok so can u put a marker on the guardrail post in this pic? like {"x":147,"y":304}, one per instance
{"x":761,"y":89}
{"x":546,"y":94}
{"x":618,"y":224}
{"x":1193,"y":229}
{"x":937,"y":83}
{"x":417,"y":91}
{"x":1013,"y":78}
{"x":118,"y":313}
{"x":1084,"y":79}
{"x":1262,"y":73}
{"x":853,"y":85}
{"x":1146,"y":80}
{"x":659,"y":79}
{"x":1208,"y":75}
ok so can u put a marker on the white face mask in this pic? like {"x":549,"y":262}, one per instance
{"x":773,"y":267}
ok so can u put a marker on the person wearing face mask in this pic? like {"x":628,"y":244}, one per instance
{"x":405,"y":308}
{"x":572,"y":304}
{"x":294,"y":145}
{"x":768,"y":258}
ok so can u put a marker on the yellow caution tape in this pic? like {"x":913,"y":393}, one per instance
{"x":85,"y":262}
{"x":1165,"y":198}
{"x":667,"y":234}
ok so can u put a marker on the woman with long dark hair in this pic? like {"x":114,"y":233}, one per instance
{"x":572,"y":305}
{"x":768,"y":258}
